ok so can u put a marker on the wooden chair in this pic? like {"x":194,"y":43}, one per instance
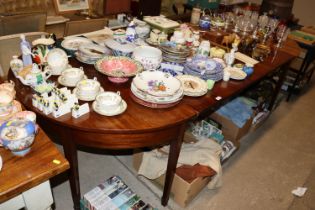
{"x":22,"y":23}
{"x":10,"y":45}
{"x":84,"y":26}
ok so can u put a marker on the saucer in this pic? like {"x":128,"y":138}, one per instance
{"x":67,"y":85}
{"x":87,"y":98}
{"x":122,"y":108}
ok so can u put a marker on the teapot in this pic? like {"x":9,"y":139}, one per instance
{"x":205,"y":21}
{"x":36,"y":76}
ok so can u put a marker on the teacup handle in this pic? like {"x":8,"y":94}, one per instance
{"x":118,"y":93}
{"x":81,"y":68}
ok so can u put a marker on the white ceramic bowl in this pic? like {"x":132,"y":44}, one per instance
{"x":149,"y":57}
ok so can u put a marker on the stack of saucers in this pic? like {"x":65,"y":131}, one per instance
{"x":90,"y":53}
{"x":204,"y":67}
{"x":156,"y":89}
{"x":173,"y":53}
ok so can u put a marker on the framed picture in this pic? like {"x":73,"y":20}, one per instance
{"x":65,"y":6}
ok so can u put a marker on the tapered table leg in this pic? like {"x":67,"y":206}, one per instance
{"x":175,"y":147}
{"x":71,"y":154}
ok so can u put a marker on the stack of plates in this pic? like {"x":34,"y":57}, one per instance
{"x":173,"y":54}
{"x":90,"y":53}
{"x":156,"y":89}
{"x":205,"y":68}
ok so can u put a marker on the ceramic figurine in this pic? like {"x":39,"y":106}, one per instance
{"x":131,"y":34}
{"x":16,"y":64}
{"x":26,"y":51}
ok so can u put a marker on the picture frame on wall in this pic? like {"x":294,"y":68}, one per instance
{"x":66,"y":6}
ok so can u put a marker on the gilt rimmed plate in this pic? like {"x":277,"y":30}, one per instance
{"x":192,"y":85}
{"x":157,"y":83}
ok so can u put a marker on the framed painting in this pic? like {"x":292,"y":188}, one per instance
{"x":65,"y":6}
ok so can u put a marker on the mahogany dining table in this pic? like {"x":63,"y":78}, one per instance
{"x":141,"y":126}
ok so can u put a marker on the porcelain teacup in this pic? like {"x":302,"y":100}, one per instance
{"x":108,"y":101}
{"x":88,"y":88}
{"x":72,"y":76}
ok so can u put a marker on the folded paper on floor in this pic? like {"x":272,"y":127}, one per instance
{"x":205,"y":152}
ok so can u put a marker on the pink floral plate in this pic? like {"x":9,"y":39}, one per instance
{"x":118,"y":67}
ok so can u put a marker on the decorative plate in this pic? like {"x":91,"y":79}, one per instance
{"x":237,"y":74}
{"x":157,"y":83}
{"x":73,"y":43}
{"x":152,"y":105}
{"x":122,"y":108}
{"x":148,"y":40}
{"x":118,"y":66}
{"x":192,"y":85}
{"x":158,"y":100}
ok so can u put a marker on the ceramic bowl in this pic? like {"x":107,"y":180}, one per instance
{"x":9,"y":86}
{"x":118,"y":66}
{"x":149,"y":57}
{"x":18,"y":135}
{"x":120,"y":48}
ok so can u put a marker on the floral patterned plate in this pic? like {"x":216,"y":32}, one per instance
{"x":158,"y":100}
{"x":118,"y":66}
{"x":157,"y":83}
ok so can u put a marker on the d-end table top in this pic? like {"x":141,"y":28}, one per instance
{"x":19,"y":174}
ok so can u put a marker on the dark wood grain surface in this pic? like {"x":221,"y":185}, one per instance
{"x":22,"y":173}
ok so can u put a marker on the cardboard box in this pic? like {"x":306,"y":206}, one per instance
{"x":182,"y":192}
{"x":230,"y":130}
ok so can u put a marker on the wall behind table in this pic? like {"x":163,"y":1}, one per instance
{"x":302,"y":9}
